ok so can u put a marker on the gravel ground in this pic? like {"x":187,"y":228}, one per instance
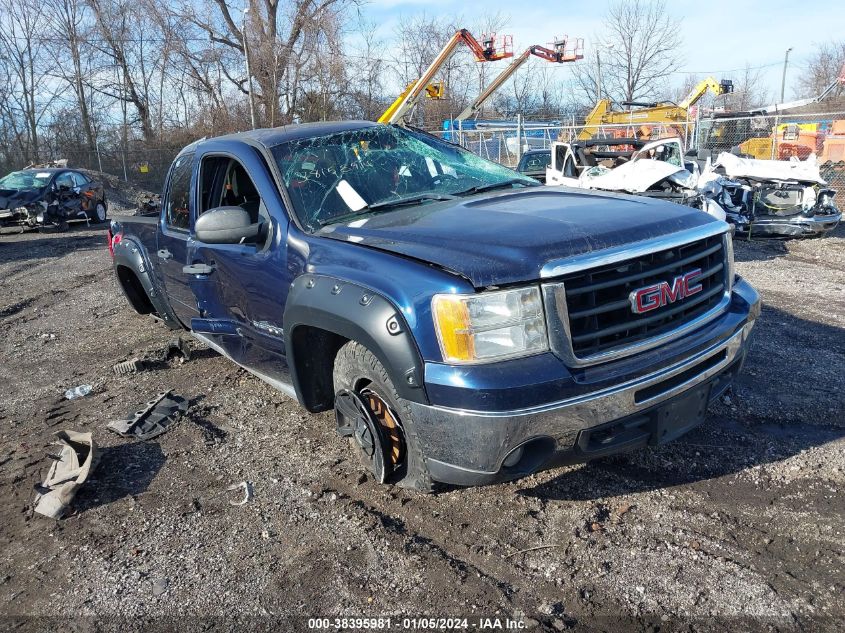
{"x":739,"y":525}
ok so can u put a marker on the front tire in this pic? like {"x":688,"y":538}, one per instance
{"x":99,"y":213}
{"x":360,"y":377}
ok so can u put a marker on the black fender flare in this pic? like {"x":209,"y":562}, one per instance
{"x":356,"y":313}
{"x":132,"y":255}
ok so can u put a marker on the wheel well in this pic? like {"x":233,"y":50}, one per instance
{"x":133,"y":290}
{"x":314,"y":353}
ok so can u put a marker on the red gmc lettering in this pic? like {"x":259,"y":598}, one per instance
{"x":662,"y":294}
{"x":648,"y":298}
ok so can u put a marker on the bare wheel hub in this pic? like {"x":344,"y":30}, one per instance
{"x":373,"y":426}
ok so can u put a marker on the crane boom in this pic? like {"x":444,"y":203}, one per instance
{"x":484,"y":52}
{"x":559,"y":55}
{"x":776,"y":107}
{"x":665,"y":113}
{"x":716,"y":87}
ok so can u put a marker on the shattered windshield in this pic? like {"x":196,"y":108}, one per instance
{"x":377,"y":169}
{"x":18,"y":180}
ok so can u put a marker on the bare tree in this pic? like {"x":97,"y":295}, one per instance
{"x":367,"y":98}
{"x":417,"y":41}
{"x":639,"y":50}
{"x":276,"y":38}
{"x":749,"y":91}
{"x":130,"y":41}
{"x":67,"y":19}
{"x":29,"y":93}
{"x":519,"y":94}
{"x":822,"y":69}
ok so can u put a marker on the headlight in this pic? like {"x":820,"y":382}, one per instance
{"x":19,"y":211}
{"x":490,"y":326}
{"x":729,"y":256}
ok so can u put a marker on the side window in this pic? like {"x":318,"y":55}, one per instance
{"x":65,"y":179}
{"x":569,"y":168}
{"x":212,"y":173}
{"x":78,"y":179}
{"x":240,"y":191}
{"x":178,"y":193}
{"x":225,"y":183}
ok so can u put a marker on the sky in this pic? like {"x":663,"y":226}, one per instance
{"x":719,"y":35}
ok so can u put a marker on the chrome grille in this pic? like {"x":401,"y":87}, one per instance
{"x":593,"y":309}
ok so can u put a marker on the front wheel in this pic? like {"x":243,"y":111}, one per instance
{"x":99,"y":213}
{"x":369,"y":412}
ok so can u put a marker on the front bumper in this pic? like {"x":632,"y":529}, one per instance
{"x":792,"y":226}
{"x":471,"y":447}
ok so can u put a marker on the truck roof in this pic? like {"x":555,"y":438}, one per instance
{"x":270,"y":137}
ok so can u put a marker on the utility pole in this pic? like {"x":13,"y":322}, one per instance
{"x":248,"y":73}
{"x":599,"y":46}
{"x":598,"y":78}
{"x":783,"y":81}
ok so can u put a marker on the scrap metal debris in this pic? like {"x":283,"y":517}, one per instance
{"x":76,"y":460}
{"x":246,"y":486}
{"x":127,"y":367}
{"x":178,"y":348}
{"x":153,"y":419}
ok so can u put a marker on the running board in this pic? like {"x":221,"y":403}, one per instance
{"x":284,"y":387}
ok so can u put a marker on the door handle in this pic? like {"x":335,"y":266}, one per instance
{"x":164,"y":254}
{"x":198,"y":269}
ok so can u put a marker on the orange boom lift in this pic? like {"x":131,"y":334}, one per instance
{"x":485,"y":51}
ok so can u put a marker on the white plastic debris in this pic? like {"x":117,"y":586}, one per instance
{"x":246,"y":486}
{"x":78,"y":392}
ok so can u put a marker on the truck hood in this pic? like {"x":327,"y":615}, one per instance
{"x":505,"y":238}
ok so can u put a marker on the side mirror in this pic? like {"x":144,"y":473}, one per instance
{"x":225,"y":225}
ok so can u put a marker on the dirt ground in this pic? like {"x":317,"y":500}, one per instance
{"x":739,"y":525}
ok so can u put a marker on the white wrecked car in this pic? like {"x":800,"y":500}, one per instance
{"x":771,"y":197}
{"x":655,"y":169}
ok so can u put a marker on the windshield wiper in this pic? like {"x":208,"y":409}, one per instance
{"x":496,"y":185}
{"x":398,"y":202}
{"x":387,"y":204}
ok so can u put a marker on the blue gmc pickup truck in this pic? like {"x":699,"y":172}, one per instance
{"x":467,"y":325}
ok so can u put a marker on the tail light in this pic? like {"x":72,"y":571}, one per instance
{"x":115,"y":234}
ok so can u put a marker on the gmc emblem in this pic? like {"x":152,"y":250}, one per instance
{"x":662,"y":294}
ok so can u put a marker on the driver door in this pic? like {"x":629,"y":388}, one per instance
{"x":241,"y":297}
{"x":174,"y":231}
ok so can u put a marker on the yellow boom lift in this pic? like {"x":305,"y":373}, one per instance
{"x":485,"y":51}
{"x":559,"y":55}
{"x":666,"y":113}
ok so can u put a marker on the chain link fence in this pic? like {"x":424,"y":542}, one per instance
{"x":776,"y":137}
{"x":144,"y":167}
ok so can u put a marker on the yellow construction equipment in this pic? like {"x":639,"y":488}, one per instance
{"x":435,"y":90}
{"x":647,"y":114}
{"x":559,"y":55}
{"x":486,"y":51}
